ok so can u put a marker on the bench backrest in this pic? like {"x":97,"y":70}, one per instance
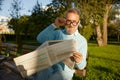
{"x":11,"y":49}
{"x":28,"y":48}
{"x":8,"y":49}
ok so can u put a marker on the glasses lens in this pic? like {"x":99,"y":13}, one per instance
{"x":74,"y":23}
{"x":68,"y":22}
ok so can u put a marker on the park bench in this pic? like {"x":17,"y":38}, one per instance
{"x":11,"y":49}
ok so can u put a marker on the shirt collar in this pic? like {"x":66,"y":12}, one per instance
{"x":75,"y":33}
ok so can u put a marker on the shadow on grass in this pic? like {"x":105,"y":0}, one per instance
{"x":107,"y":70}
{"x":114,"y":43}
{"x":93,"y":56}
{"x":76,"y":77}
{"x":94,"y":43}
{"x":104,"y":69}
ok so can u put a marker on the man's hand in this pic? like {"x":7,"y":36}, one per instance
{"x":60,"y":22}
{"x":77,"y":57}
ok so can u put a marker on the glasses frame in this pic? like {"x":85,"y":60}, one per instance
{"x":72,"y":22}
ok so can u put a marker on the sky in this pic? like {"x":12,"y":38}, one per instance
{"x":27,"y":5}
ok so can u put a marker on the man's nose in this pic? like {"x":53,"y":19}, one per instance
{"x":71,"y":25}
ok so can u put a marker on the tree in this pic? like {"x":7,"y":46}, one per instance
{"x":1,"y":9}
{"x":40,"y":18}
{"x":15,"y":9}
{"x":1,"y":4}
{"x":118,"y":29}
{"x":114,"y":21}
{"x":61,"y":6}
{"x":97,"y":11}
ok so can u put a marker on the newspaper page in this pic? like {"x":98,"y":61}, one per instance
{"x":46,"y":55}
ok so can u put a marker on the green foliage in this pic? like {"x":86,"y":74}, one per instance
{"x":112,"y":29}
{"x":87,"y":31}
{"x":117,"y":23}
{"x":60,"y":6}
{"x":13,"y":23}
{"x":90,"y":10}
{"x":113,"y":12}
{"x":41,"y":18}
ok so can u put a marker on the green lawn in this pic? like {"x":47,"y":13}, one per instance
{"x":103,"y":62}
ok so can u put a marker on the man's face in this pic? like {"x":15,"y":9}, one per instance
{"x":72,"y":22}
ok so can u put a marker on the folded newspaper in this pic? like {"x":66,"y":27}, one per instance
{"x":48,"y":54}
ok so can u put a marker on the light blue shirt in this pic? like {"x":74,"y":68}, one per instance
{"x":51,"y":34}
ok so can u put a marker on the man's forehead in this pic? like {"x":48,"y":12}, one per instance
{"x":72,"y":16}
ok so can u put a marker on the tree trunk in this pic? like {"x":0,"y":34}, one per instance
{"x":18,"y":40}
{"x":105,"y":18}
{"x":99,"y":35}
{"x":0,"y":38}
{"x":118,"y":37}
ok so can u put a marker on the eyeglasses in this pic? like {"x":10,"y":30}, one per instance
{"x":69,"y":22}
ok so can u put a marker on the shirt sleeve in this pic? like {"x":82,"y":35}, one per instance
{"x":83,"y":51}
{"x":46,"y":34}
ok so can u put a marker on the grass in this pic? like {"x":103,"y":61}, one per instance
{"x":103,"y":62}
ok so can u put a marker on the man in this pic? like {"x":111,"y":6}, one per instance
{"x":60,"y":71}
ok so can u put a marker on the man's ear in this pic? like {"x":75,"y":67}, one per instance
{"x":79,"y":21}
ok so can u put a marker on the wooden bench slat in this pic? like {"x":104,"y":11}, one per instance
{"x":11,"y":66}
{"x":10,"y":45}
{"x":29,"y":47}
{"x":24,"y":51}
{"x":81,"y":72}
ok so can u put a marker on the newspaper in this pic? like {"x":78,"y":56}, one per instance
{"x":46,"y":55}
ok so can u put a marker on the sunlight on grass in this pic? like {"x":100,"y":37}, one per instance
{"x":103,"y":62}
